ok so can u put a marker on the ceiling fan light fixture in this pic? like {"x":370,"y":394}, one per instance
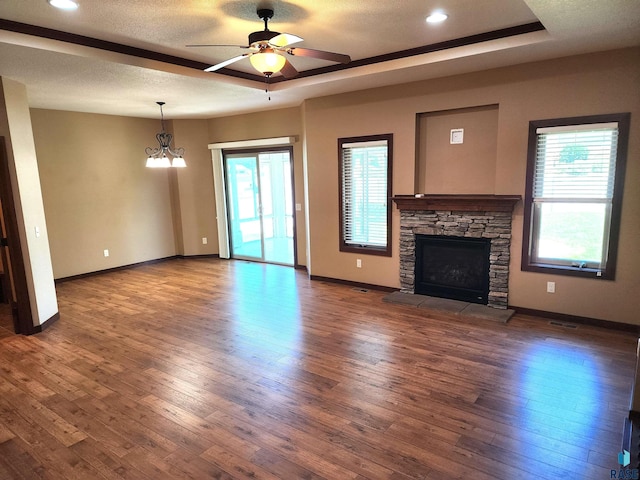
{"x":267,"y":62}
{"x":437,"y":17}
{"x":63,"y":4}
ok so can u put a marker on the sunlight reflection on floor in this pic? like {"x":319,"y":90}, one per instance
{"x":563,"y":400}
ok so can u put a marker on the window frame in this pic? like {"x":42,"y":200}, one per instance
{"x":366,"y":249}
{"x":608,"y":269}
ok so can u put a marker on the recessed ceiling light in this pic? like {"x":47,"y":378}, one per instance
{"x":437,"y":17}
{"x":63,"y":4}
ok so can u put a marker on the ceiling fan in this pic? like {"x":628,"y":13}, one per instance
{"x":268,"y":51}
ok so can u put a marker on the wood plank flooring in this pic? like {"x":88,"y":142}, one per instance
{"x":6,"y":321}
{"x":204,"y":368}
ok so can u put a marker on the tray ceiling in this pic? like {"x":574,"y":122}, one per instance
{"x":89,"y":76}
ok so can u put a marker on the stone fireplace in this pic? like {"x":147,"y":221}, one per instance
{"x":470,"y":216}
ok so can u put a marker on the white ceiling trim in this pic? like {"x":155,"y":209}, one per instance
{"x":259,"y":142}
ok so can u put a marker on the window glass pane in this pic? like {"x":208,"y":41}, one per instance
{"x":573,"y":164}
{"x":578,"y":164}
{"x":573,"y":232}
{"x":244,"y":181}
{"x":266,"y":196}
{"x":365,"y":187}
{"x":365,"y":195}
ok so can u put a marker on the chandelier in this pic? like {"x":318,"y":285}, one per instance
{"x":157,"y":157}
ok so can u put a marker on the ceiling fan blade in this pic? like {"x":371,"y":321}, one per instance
{"x":289,"y":71}
{"x":306,"y":52}
{"x":284,"y":39}
{"x":220,"y":65}
{"x":216,"y":45}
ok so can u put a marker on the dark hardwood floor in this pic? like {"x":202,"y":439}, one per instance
{"x":6,"y":321}
{"x":204,"y":368}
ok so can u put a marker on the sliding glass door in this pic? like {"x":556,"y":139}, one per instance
{"x":260,"y":205}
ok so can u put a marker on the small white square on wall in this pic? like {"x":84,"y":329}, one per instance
{"x":457,"y":136}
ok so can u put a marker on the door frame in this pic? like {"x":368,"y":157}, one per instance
{"x":219,"y":187}
{"x":256,"y":151}
{"x":20,"y":305}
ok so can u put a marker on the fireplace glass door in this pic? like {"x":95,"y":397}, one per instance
{"x":453,"y":267}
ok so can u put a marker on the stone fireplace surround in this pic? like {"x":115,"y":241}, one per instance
{"x":480,"y":216}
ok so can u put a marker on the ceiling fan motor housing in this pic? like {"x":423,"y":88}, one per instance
{"x":261,"y":37}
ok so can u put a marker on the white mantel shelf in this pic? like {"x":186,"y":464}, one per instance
{"x":454,"y":202}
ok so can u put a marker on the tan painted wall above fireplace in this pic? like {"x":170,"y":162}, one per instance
{"x":468,"y":167}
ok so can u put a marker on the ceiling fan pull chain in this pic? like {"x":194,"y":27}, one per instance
{"x":266,"y":88}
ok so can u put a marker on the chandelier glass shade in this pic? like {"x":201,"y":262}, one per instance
{"x":164,"y":156}
{"x":267,"y":61}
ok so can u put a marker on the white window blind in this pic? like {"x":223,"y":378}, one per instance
{"x":575,"y":162}
{"x":364,"y":193}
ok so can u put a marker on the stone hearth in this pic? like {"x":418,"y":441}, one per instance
{"x":480,"y":216}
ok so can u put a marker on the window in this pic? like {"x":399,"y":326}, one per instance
{"x":575,"y":175}
{"x":365,"y":190}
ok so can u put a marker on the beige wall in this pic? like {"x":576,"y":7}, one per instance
{"x":270,"y":124}
{"x":97,"y":192}
{"x":469,"y":167}
{"x":195,"y":194}
{"x":584,"y":85}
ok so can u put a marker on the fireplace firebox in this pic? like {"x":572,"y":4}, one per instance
{"x":453,"y":267}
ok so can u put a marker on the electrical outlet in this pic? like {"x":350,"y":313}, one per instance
{"x":358,"y":263}
{"x":106,"y":252}
{"x":551,"y":287}
{"x":204,"y":240}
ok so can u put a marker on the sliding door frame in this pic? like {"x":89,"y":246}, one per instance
{"x":264,"y":145}
{"x":256,"y":153}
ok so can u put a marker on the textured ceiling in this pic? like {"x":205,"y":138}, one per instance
{"x":65,"y":76}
